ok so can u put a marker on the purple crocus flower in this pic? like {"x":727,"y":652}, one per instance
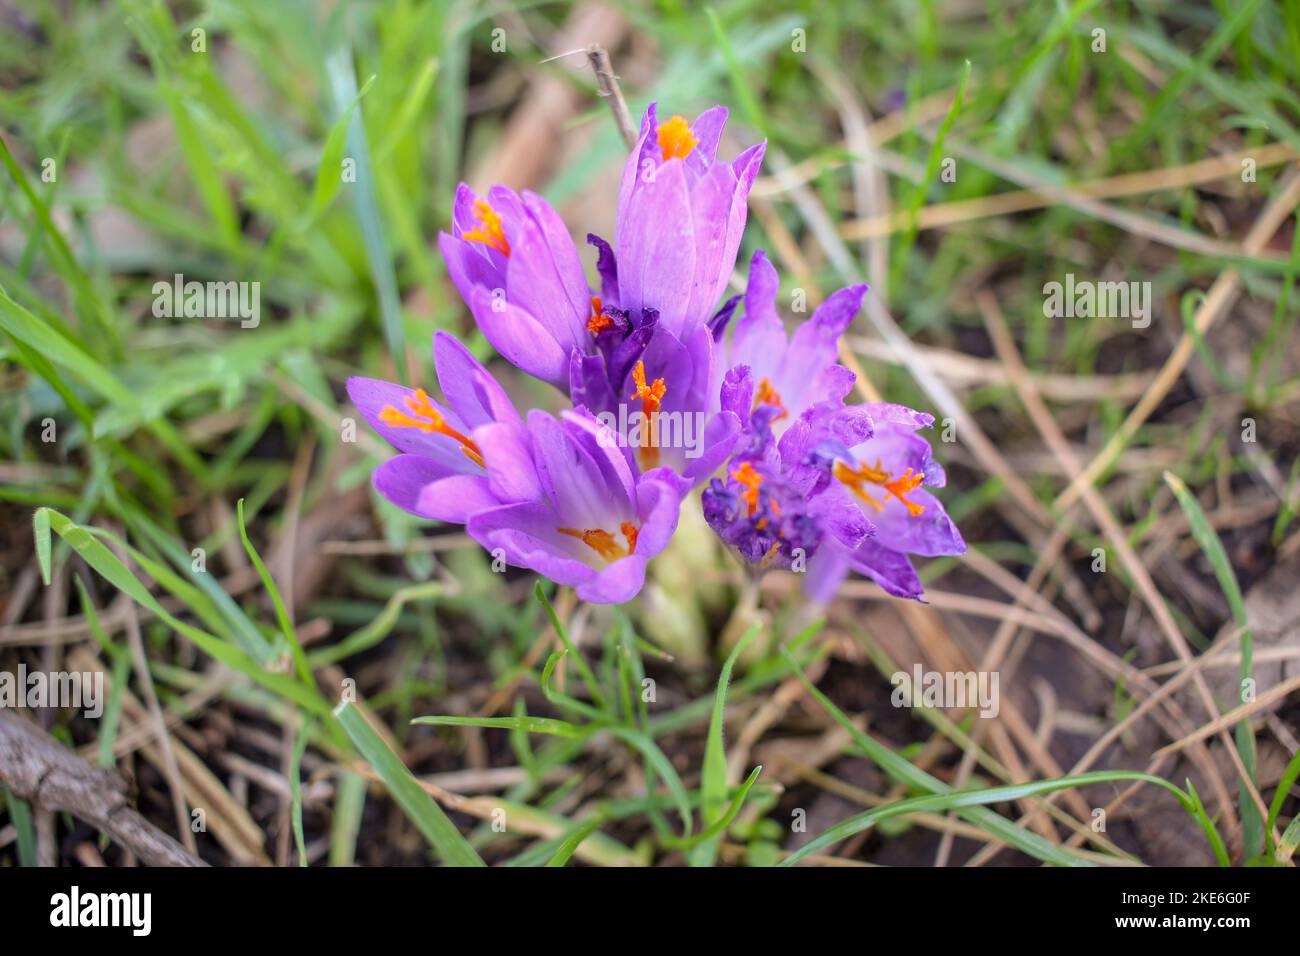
{"x":656,"y":393}
{"x":441,"y":473}
{"x":885,"y":477}
{"x":515,"y":265}
{"x":792,"y":373}
{"x":681,"y":213}
{"x":769,"y":503}
{"x":596,"y":523}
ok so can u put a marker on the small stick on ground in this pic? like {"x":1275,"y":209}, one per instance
{"x":40,"y":770}
{"x":610,"y":89}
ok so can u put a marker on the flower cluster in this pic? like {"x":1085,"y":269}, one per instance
{"x":669,"y":387}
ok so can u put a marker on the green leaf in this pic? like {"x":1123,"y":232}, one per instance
{"x":958,"y":799}
{"x":41,"y":532}
{"x":429,"y":818}
{"x":713,"y":780}
{"x":532,"y":725}
{"x":281,"y":612}
{"x":1252,"y":824}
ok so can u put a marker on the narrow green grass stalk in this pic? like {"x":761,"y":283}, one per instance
{"x":584,"y":670}
{"x":532,"y":725}
{"x":574,"y":840}
{"x":429,"y":818}
{"x":20,"y":814}
{"x":281,"y":612}
{"x":295,"y":791}
{"x":957,"y":799}
{"x":713,"y":779}
{"x":903,"y":770}
{"x":1251,"y":821}
{"x":344,"y":86}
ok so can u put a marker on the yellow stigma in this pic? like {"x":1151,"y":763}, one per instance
{"x":752,"y":481}
{"x":490,"y":233}
{"x":676,"y":139}
{"x":604,"y":543}
{"x":856,"y":478}
{"x":767,"y":395}
{"x":427,"y":419}
{"x":651,"y":396}
{"x":599,"y":321}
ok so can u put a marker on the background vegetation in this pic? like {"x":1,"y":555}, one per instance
{"x":181,"y":506}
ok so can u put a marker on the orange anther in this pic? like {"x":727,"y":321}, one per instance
{"x":767,"y":395}
{"x":752,"y":480}
{"x":856,"y":478}
{"x":599,"y":321}
{"x":676,"y":139}
{"x":491,"y":232}
{"x":428,"y":419}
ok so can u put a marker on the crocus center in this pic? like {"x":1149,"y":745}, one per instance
{"x":605,"y":544}
{"x":490,"y":233}
{"x":767,"y":395}
{"x":746,"y":476}
{"x":651,"y":395}
{"x":858,"y":478}
{"x":599,"y":321}
{"x":676,"y":139}
{"x":428,"y":419}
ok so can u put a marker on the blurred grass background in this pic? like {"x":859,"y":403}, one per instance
{"x":1103,"y":139}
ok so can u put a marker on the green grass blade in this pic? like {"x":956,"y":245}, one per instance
{"x":532,"y":725}
{"x":958,"y":799}
{"x":713,"y":780}
{"x":1252,"y":823}
{"x":451,"y":847}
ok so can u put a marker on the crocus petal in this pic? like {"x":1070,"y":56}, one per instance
{"x":720,"y":436}
{"x":469,"y":388}
{"x":607,"y":268}
{"x":520,"y":338}
{"x":619,"y":582}
{"x":455,"y":499}
{"x":371,"y":396}
{"x":656,"y":246}
{"x":507,"y":452}
{"x":890,"y":569}
{"x":527,"y":536}
{"x":826,"y":572}
{"x":402,"y":480}
{"x":562,"y":254}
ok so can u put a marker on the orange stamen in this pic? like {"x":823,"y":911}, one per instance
{"x":676,"y":139}
{"x":604,"y":543}
{"x":427,"y":419}
{"x":752,"y":480}
{"x":901,"y":486}
{"x":630,"y":532}
{"x":651,"y":396}
{"x":490,"y":233}
{"x":599,"y":321}
{"x":856,"y":478}
{"x":767,"y":395}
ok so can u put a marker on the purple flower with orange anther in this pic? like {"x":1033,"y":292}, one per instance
{"x":514,"y":263}
{"x":768,"y":504}
{"x":681,"y":212}
{"x":596,"y":522}
{"x":885,"y":478}
{"x":792,"y":373}
{"x":441,"y":472}
{"x":656,"y":393}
